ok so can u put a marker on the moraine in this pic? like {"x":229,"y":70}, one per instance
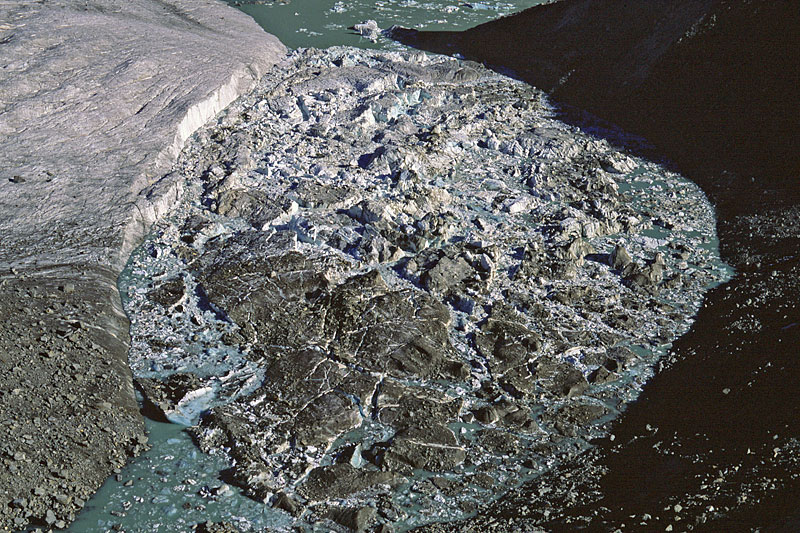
{"x":396,"y":288}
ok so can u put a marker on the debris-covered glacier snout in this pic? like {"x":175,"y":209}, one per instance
{"x":443,"y":289}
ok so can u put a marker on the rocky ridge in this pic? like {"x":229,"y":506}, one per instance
{"x":399,"y":287}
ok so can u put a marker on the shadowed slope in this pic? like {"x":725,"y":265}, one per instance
{"x":713,"y":84}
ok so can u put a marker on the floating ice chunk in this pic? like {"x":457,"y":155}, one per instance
{"x":651,"y":243}
{"x":338,"y":7}
{"x":619,"y":164}
{"x":368,"y":29}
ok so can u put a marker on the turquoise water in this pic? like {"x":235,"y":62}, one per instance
{"x":325,"y":23}
{"x":169,"y":489}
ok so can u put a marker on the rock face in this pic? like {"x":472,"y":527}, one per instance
{"x":97,"y":100}
{"x":396,"y":287}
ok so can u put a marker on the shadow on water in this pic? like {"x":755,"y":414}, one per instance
{"x":714,"y":86}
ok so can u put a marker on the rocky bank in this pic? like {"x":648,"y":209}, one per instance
{"x":96,"y":101}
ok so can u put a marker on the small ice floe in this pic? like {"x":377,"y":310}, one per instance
{"x":338,"y":7}
{"x":368,"y":29}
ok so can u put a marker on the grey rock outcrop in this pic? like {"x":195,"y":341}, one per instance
{"x":96,"y":101}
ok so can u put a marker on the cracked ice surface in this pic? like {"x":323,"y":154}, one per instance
{"x":398,"y":287}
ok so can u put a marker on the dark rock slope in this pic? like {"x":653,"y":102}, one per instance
{"x":713,"y":85}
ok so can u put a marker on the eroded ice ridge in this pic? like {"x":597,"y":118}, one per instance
{"x":398,"y":287}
